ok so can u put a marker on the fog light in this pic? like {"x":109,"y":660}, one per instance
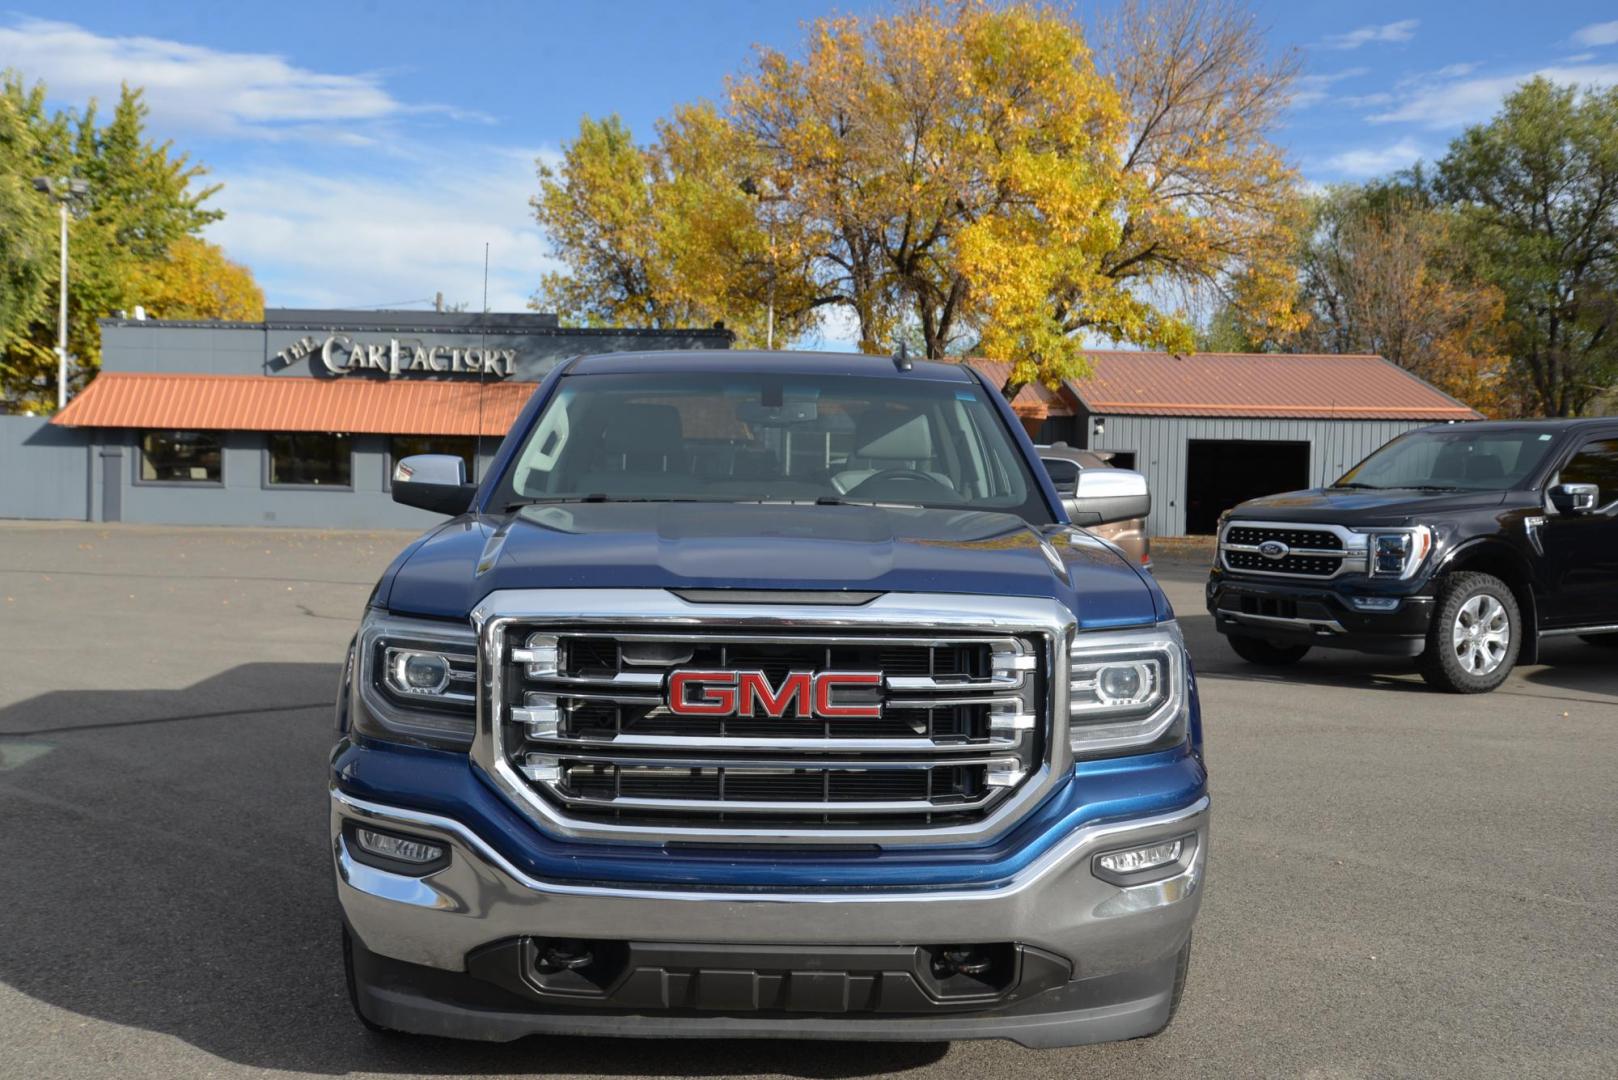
{"x":399,"y":848}
{"x":1135,"y":860}
{"x":1140,"y":865}
{"x":1375,"y":603}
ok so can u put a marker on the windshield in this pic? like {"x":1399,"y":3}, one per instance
{"x":1452,"y":459}
{"x":683,"y":436}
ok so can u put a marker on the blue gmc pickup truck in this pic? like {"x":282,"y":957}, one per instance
{"x":767,"y":694}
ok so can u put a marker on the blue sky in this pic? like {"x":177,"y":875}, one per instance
{"x":369,"y":150}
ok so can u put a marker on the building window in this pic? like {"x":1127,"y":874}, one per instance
{"x":310,"y":459}
{"x":181,"y":457}
{"x":461,"y":446}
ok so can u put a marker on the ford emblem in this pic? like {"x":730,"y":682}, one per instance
{"x":1274,"y":549}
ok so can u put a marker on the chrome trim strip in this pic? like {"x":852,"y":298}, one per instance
{"x":1569,"y":631}
{"x":1329,"y":625}
{"x":1085,"y":836}
{"x":985,"y":618}
{"x":566,"y":746}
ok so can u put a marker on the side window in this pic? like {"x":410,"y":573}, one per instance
{"x":1596,"y":463}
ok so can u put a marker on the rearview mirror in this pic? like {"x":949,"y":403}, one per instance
{"x":1103,"y":496}
{"x":1575,"y":498}
{"x":435,"y":482}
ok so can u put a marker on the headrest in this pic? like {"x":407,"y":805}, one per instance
{"x":653,"y":429}
{"x":892,"y":435}
{"x":1484,"y":467}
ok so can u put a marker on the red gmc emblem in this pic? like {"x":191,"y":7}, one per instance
{"x":804,"y":694}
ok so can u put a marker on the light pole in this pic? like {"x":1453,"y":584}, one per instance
{"x":752,"y":187}
{"x":64,"y":191}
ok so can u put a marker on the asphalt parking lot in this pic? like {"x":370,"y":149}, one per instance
{"x":1404,"y":883}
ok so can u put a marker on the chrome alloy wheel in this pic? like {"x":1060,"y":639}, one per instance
{"x":1482,"y":634}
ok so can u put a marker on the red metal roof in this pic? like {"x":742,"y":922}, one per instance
{"x":1301,"y":385}
{"x":1034,"y":401}
{"x":267,"y":403}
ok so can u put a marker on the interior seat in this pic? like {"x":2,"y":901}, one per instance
{"x":890,"y":439}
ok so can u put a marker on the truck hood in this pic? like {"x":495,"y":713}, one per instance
{"x":1353,"y":506}
{"x":722,"y":545}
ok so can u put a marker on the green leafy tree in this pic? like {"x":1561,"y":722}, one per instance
{"x":27,"y":227}
{"x":144,"y":201}
{"x":1537,"y":190}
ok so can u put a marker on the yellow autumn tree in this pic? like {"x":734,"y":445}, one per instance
{"x":972,"y":175}
{"x":194,"y":280}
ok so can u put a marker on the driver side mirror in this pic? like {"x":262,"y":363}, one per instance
{"x":435,"y":482}
{"x":1575,"y":498}
{"x":1103,"y":496}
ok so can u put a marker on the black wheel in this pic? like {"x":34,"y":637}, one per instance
{"x":1182,"y":965}
{"x":1475,"y":635}
{"x":353,"y":990}
{"x":1256,"y":650}
{"x":1605,"y":641}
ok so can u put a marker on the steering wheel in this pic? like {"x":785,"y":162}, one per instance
{"x":908,"y":475}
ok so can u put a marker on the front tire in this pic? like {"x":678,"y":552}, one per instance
{"x":1475,"y":635}
{"x":1256,"y":650}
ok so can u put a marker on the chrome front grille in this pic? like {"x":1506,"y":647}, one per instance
{"x":1280,"y":549}
{"x":585,"y":718}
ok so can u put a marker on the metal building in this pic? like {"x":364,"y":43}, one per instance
{"x":1210,"y":430}
{"x":295,"y":420}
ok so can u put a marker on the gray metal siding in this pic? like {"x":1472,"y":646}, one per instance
{"x":1160,"y":445}
{"x":44,"y":471}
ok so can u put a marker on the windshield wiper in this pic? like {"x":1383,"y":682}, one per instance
{"x":1357,"y":484}
{"x":603,"y":497}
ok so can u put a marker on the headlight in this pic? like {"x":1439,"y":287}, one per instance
{"x":1126,"y":688}
{"x":416,"y":680}
{"x":1397,"y":553}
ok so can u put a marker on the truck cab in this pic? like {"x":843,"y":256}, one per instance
{"x":766,"y":694}
{"x":1462,"y":546}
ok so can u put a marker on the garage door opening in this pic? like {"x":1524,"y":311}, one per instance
{"x":1219,"y":474}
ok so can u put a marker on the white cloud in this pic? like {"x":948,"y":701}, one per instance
{"x":1467,"y":101}
{"x":368,"y":238}
{"x":1389,"y":33}
{"x":1365,"y":101}
{"x":1312,"y":89}
{"x":1375,"y":161}
{"x":1597,"y":34}
{"x":1579,"y":58}
{"x":192,"y":88}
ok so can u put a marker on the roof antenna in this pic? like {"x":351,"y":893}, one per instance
{"x":901,"y":358}
{"x":483,"y":345}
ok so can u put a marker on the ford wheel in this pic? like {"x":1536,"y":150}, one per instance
{"x":1475,"y":634}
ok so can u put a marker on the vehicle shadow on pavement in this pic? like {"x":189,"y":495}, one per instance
{"x":1564,"y":664}
{"x":164,"y":866}
{"x":1213,"y":658}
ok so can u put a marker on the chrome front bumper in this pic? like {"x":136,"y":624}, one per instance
{"x":1056,"y":903}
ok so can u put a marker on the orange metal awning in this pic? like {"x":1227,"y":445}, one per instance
{"x":267,"y":403}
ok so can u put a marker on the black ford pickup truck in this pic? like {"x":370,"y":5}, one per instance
{"x":1462,"y":546}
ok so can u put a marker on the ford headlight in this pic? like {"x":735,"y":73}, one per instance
{"x":1397,"y":553}
{"x":1126,"y":688}
{"x":416,"y":680}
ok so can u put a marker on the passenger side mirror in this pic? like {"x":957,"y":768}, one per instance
{"x":1103,"y":496}
{"x":1575,"y":498}
{"x":435,"y":482}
